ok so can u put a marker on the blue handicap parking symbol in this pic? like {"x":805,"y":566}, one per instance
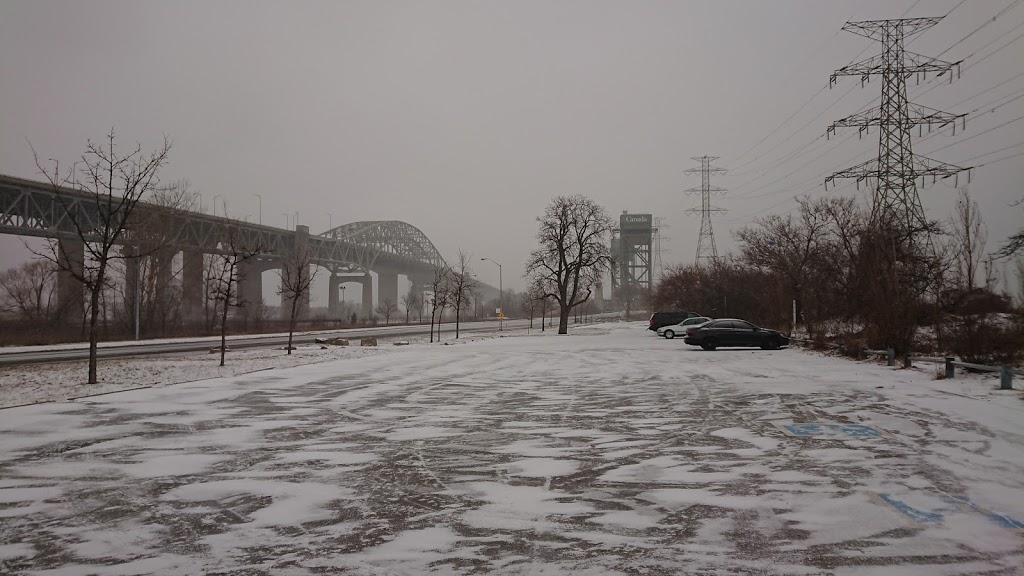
{"x":948,"y":505}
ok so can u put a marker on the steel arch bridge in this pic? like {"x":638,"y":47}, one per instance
{"x":393,"y":239}
{"x":386,"y":247}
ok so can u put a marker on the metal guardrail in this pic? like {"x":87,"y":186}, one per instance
{"x":1006,"y":373}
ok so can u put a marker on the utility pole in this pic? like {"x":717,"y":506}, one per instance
{"x":501,"y":295}
{"x":706,"y":249}
{"x":896,"y":205}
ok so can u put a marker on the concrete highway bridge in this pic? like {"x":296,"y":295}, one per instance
{"x":349,"y":253}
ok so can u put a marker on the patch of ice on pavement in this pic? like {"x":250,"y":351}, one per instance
{"x":159,"y":465}
{"x":665,"y":470}
{"x":518,"y":507}
{"x":673,"y":498}
{"x":541,"y":467}
{"x":19,"y":550}
{"x":744,"y":435}
{"x":641,"y":519}
{"x":423,"y":546}
{"x":333,"y":458}
{"x":292,"y":502}
{"x":420,"y":433}
{"x":15,"y":494}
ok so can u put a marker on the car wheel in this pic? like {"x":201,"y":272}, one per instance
{"x":770,"y":344}
{"x":670,"y":334}
{"x":710,"y":344}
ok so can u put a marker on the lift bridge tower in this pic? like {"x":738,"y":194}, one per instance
{"x":632,"y":261}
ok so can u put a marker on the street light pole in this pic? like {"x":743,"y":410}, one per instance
{"x":260,"y":196}
{"x":286,"y":220}
{"x":215,"y":196}
{"x":501,"y":295}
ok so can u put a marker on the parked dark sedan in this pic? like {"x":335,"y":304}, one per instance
{"x":732,"y":332}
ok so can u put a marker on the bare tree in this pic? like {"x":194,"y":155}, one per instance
{"x":114,"y":183}
{"x":439,"y":297}
{"x":788,"y":246}
{"x":412,"y":301}
{"x":573,"y":238}
{"x":461,"y":286}
{"x":29,"y":291}
{"x":529,"y":301}
{"x":387,"y":309}
{"x":1018,"y":272}
{"x":297,"y":277}
{"x":969,"y":237}
{"x":224,"y":286}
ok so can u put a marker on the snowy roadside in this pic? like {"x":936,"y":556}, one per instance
{"x":59,"y":381}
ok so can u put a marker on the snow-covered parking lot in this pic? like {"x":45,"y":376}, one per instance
{"x":603,"y":452}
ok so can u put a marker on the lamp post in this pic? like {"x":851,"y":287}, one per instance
{"x":286,"y":220}
{"x":330,"y":220}
{"x":260,"y":197}
{"x":215,"y":196}
{"x":501,"y":295}
{"x":343,"y":295}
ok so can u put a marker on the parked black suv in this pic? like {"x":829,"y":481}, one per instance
{"x":659,"y":319}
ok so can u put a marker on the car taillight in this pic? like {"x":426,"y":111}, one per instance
{"x":690,"y":331}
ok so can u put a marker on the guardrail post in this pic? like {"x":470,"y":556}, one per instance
{"x":1006,"y":378}
{"x":906,"y":361}
{"x":890,"y":357}
{"x":949,"y":367}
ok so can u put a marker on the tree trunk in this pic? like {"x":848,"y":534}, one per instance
{"x":457,"y":308}
{"x":94,"y":315}
{"x":291,"y":324}
{"x":224,"y":321}
{"x":432,"y":312}
{"x":563,"y":318}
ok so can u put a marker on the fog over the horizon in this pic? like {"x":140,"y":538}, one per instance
{"x":465,"y":118}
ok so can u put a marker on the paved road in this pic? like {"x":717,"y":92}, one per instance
{"x":9,"y":356}
{"x":609,"y":451}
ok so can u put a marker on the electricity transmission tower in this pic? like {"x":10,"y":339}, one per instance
{"x":706,"y":249}
{"x":659,"y":227}
{"x":895,"y":204}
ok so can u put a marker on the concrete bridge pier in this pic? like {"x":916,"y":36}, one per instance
{"x":163,"y":262}
{"x":192,"y":286}
{"x":250,"y":289}
{"x":333,"y":284}
{"x":367,"y":296}
{"x":132,"y":279}
{"x":297,"y":268}
{"x":70,"y":290}
{"x":387,"y":287}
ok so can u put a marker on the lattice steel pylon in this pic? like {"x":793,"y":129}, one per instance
{"x":706,"y":249}
{"x":896,"y":204}
{"x":659,"y":227}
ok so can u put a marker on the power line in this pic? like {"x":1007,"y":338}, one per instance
{"x":995,"y":151}
{"x":985,"y":23}
{"x":1000,"y":160}
{"x":961,"y":141}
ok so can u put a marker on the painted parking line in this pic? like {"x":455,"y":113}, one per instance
{"x":829,"y":431}
{"x":935,"y":509}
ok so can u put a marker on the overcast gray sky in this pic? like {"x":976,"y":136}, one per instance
{"x":466,"y":118}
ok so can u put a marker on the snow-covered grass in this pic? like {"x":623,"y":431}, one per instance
{"x":609,"y":451}
{"x":32,"y":383}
